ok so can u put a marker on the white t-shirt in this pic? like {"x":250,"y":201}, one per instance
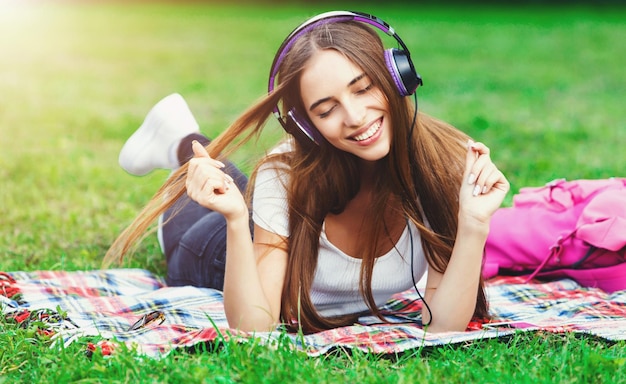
{"x":335,"y":288}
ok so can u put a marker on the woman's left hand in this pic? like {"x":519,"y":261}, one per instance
{"x":484,"y":186}
{"x":452,"y":293}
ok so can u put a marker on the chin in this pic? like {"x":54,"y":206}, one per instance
{"x":374,"y":154}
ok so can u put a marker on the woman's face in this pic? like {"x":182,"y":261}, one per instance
{"x":345,"y":107}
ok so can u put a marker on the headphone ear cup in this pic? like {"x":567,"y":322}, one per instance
{"x":402,"y":70}
{"x":301,"y":129}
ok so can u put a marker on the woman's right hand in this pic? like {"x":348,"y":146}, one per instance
{"x":210,"y":187}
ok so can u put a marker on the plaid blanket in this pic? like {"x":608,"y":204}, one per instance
{"x":134,"y":307}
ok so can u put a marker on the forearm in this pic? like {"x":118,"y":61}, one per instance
{"x":453,"y":301}
{"x":246,"y":305}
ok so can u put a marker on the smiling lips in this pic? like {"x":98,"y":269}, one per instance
{"x":369,"y":133}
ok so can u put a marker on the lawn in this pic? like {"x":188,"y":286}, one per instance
{"x":543,"y":87}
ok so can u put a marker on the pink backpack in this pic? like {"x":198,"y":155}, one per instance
{"x":574,"y":229}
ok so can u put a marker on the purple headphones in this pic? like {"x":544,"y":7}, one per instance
{"x":398,"y":63}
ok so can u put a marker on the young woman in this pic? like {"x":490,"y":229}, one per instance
{"x":363,"y":196}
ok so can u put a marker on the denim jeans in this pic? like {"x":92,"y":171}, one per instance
{"x":194,"y":240}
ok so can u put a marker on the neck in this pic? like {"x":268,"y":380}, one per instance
{"x":370,"y":171}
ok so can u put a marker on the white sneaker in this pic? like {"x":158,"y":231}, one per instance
{"x":155,"y":143}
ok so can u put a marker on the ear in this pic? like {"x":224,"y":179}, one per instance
{"x":302,"y":129}
{"x":401,"y":69}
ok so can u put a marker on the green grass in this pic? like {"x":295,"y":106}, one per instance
{"x":543,"y":87}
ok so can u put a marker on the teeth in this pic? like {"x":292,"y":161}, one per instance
{"x":369,"y":133}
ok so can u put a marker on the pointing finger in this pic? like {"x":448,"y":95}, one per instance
{"x":200,"y":151}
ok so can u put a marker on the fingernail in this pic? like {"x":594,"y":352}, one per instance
{"x":471,"y":179}
{"x":476,"y":190}
{"x":220,"y":164}
{"x":228,"y":177}
{"x":485,"y":189}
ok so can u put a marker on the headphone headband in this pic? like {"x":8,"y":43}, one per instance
{"x":328,"y":17}
{"x":398,"y":63}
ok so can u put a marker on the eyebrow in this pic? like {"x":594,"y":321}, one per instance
{"x":325,"y":99}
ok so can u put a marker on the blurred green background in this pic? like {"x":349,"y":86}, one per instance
{"x":542,"y":84}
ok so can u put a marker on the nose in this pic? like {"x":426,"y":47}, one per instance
{"x":354,"y":113}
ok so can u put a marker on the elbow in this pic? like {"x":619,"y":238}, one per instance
{"x":442,"y":328}
{"x":442,"y":323}
{"x":251,"y":322}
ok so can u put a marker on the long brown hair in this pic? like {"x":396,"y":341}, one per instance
{"x":421,"y":175}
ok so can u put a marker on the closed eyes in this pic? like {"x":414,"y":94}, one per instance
{"x":360,"y":91}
